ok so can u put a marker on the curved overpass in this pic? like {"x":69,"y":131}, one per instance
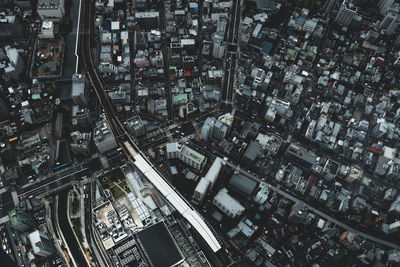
{"x":133,"y":152}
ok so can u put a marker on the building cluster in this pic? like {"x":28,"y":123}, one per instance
{"x":139,"y":223}
{"x":315,"y":112}
{"x":27,"y":235}
{"x":167,"y":66}
{"x":36,"y":83}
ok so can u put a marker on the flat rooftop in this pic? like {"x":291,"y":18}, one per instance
{"x":159,"y":245}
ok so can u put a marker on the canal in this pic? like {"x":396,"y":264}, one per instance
{"x":67,"y":230}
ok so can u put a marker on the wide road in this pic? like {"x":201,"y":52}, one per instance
{"x":230,"y":60}
{"x":54,"y":182}
{"x":177,"y":132}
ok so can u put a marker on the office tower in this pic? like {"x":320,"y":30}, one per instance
{"x":41,"y":244}
{"x":20,"y":221}
{"x":347,"y":12}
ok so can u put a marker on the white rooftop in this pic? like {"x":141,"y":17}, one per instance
{"x":115,"y":25}
{"x":35,"y":241}
{"x":229,"y":202}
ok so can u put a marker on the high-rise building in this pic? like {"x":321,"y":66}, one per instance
{"x":20,"y":221}
{"x":16,"y":64}
{"x":347,"y":12}
{"x":51,"y":9}
{"x":81,"y":143}
{"x":218,"y":50}
{"x":213,"y":128}
{"x":41,"y":244}
{"x":11,"y":27}
{"x":328,"y":5}
{"x":206,"y":132}
{"x":390,"y":23}
{"x":380,"y":129}
{"x":208,"y":181}
{"x":384,"y":6}
{"x":81,"y":117}
{"x":24,"y":4}
{"x":103,"y":137}
{"x":136,"y":126}
{"x":221,"y":25}
{"x":6,"y":3}
{"x":79,"y":92}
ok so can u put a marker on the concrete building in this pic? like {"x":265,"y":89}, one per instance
{"x":380,"y":129}
{"x":221,"y":25}
{"x":265,"y":4}
{"x":218,"y":50}
{"x":243,"y":185}
{"x":186,"y":154}
{"x":41,"y":244}
{"x":328,"y":5}
{"x":207,"y":182}
{"x":24,"y":4}
{"x":81,"y":143}
{"x":103,"y":137}
{"x":390,"y":23}
{"x":298,"y":213}
{"x":206,"y":132}
{"x":201,"y":190}
{"x":81,"y":117}
{"x":301,"y":156}
{"x":384,"y":6}
{"x":252,"y":152}
{"x":148,"y":20}
{"x":394,"y":227}
{"x":20,"y":221}
{"x":47,"y":30}
{"x":51,"y":9}
{"x":213,"y":128}
{"x":11,"y":28}
{"x":16,"y":65}
{"x":6,"y":3}
{"x":79,"y":92}
{"x":172,"y":150}
{"x":219,"y":131}
{"x":192,"y":158}
{"x":347,"y":12}
{"x":230,"y":206}
{"x":136,"y":126}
